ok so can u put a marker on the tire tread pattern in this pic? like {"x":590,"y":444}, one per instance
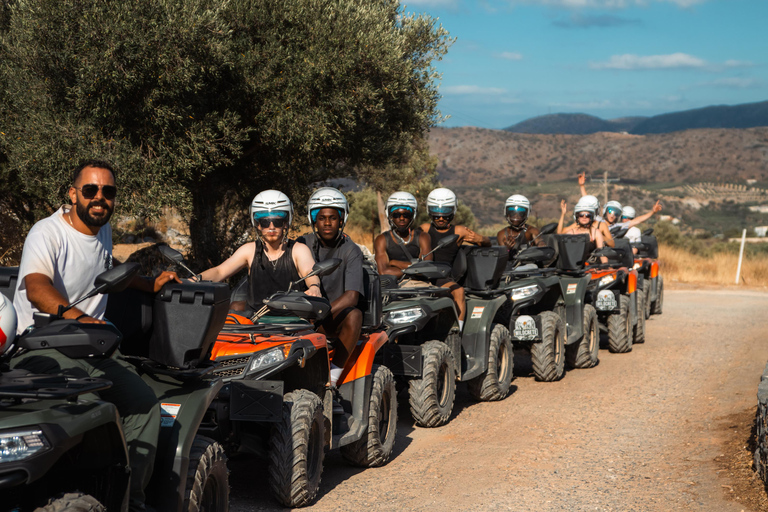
{"x":425,"y":407}
{"x":619,"y":328}
{"x":206,"y":460}
{"x":489,"y":386}
{"x":585,"y":353}
{"x":548,"y":360}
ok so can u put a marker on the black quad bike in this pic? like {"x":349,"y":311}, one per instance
{"x":277,"y":402}
{"x":62,"y":449}
{"x":648,"y":270}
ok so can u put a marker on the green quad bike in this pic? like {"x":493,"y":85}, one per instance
{"x":62,"y":449}
{"x":549,"y":315}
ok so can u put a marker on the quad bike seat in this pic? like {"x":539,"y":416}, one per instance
{"x":9,"y":276}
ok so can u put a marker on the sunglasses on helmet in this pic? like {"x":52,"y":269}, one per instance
{"x":89,"y":191}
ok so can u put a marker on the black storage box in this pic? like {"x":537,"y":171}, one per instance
{"x":9,"y":277}
{"x":626,"y":257}
{"x":370,"y":303}
{"x":186,"y":319}
{"x":573,"y":251}
{"x":485,"y":266}
{"x":652,"y":246}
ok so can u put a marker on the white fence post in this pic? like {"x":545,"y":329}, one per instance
{"x":741,"y":254}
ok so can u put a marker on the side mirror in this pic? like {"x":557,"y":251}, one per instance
{"x":323,"y":268}
{"x":648,"y":232}
{"x":171,"y":254}
{"x":618,"y":232}
{"x":446,"y":241}
{"x":548,"y":229}
{"x":607,"y":252}
{"x":112,"y":281}
{"x":535,"y":254}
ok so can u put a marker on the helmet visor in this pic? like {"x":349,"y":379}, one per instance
{"x":522,"y":210}
{"x":314,"y":212}
{"x":264,"y":218}
{"x":401,"y":211}
{"x":613,"y":210}
{"x":440,"y":211}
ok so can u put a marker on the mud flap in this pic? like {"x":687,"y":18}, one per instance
{"x":402,"y":360}
{"x":256,"y":400}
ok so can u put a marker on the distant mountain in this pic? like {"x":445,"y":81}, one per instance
{"x":748,"y":115}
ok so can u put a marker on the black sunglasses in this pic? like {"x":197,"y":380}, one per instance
{"x":278,"y":222}
{"x":405,"y":215}
{"x":446,"y":216}
{"x":584,"y":215}
{"x":89,"y":191}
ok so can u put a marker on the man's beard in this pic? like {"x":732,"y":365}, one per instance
{"x":83,"y":211}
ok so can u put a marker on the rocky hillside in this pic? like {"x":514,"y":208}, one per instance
{"x":485,"y":166}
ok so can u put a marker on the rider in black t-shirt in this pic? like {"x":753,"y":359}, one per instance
{"x":328,"y":210}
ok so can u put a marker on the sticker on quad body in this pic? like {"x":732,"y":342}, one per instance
{"x":606,"y":301}
{"x":525,"y":328}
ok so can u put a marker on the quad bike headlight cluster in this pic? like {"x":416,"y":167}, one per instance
{"x":607,"y":279}
{"x":268,"y":358}
{"x":524,"y":292}
{"x":21,"y":445}
{"x":405,"y":316}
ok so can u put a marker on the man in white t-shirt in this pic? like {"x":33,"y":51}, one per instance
{"x":62,"y":255}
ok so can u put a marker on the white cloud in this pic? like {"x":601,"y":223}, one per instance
{"x":510,"y":56}
{"x":737,"y":64}
{"x":471,"y":89}
{"x":671,"y":61}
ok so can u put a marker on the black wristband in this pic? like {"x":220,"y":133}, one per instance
{"x":82,"y":316}
{"x":313,"y":284}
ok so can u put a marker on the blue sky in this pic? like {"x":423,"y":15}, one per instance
{"x":516,"y":59}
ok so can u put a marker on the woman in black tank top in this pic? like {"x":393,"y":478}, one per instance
{"x":267,"y":277}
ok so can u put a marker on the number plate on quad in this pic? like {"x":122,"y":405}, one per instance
{"x":606,"y":301}
{"x":256,"y":400}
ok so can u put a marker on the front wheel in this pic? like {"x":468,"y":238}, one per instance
{"x":656,"y":306}
{"x":585,"y":353}
{"x":73,"y":502}
{"x":548,"y":355}
{"x":620,"y":328}
{"x":296,"y":449}
{"x":375,"y":447}
{"x":494,"y":383}
{"x":207,"y":477}
{"x":647,"y":298}
{"x":432,"y":396}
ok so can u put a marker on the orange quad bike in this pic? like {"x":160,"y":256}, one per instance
{"x":277,"y":401}
{"x":613,"y":291}
{"x":648,"y":270}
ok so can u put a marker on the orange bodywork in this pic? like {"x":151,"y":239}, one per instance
{"x":654,"y":269}
{"x":238,"y":343}
{"x":360,"y":361}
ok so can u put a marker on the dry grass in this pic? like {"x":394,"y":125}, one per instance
{"x":361,"y":237}
{"x":681,"y":266}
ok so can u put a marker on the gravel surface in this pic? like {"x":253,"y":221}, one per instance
{"x":664,"y":427}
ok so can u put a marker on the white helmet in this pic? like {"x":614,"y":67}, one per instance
{"x":7,"y":322}
{"x":614,"y":205}
{"x":270,"y":202}
{"x":401,"y":200}
{"x":441,"y":201}
{"x":516,"y":210}
{"x":628,"y":212}
{"x":586,"y":204}
{"x":327,"y":197}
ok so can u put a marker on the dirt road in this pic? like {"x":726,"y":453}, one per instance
{"x":664,"y":427}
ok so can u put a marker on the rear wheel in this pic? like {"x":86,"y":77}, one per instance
{"x":375,"y":447}
{"x":620,"y":328}
{"x":432,"y":396}
{"x":296,"y":449}
{"x":494,"y":383}
{"x":656,"y":306}
{"x":585,"y":353}
{"x":73,"y":502}
{"x":548,"y":355}
{"x":638,"y":332}
{"x":207,"y":477}
{"x":647,"y":298}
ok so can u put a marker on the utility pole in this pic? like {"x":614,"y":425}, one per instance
{"x":605,"y":187}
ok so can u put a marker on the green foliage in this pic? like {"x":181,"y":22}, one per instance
{"x":203,"y":103}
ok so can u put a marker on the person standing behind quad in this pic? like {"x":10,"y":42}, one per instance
{"x":62,"y":256}
{"x":273,"y":261}
{"x":328,"y":210}
{"x":397,"y":248}
{"x":441,"y":206}
{"x":518,"y":233}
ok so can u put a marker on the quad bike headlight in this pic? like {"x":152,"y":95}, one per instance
{"x":637,"y":265}
{"x":607,"y":279}
{"x":524,"y":292}
{"x":268,"y":358}
{"x":21,"y":445}
{"x":405,"y":316}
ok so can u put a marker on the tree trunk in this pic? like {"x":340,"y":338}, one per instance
{"x":383,"y":221}
{"x":202,"y":228}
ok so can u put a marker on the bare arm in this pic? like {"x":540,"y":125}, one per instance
{"x":348,"y":299}
{"x":302,"y":258}
{"x":563,"y":209}
{"x":46,"y":298}
{"x":606,"y":234}
{"x":467,"y":235}
{"x":149,"y":285}
{"x":383,"y":264}
{"x":582,"y":183}
{"x":239,"y":260}
{"x":644,"y":217}
{"x":425,"y":245}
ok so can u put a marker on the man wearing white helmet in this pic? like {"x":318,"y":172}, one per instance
{"x":397,"y":248}
{"x":441,"y":206}
{"x":273,"y":261}
{"x":634,"y":235}
{"x":62,"y":255}
{"x":327,"y":211}
{"x":518,"y":233}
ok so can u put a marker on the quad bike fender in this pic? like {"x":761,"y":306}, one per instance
{"x":430,"y":307}
{"x":360,"y":362}
{"x":574,"y":293}
{"x":355,"y":400}
{"x":183,"y":407}
{"x":477,"y":334}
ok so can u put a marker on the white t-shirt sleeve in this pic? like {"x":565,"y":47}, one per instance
{"x":40,"y":251}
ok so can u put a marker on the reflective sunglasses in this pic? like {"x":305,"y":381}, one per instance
{"x":89,"y":191}
{"x":405,"y":215}
{"x":516,"y":209}
{"x":614,"y":211}
{"x":278,"y":222}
